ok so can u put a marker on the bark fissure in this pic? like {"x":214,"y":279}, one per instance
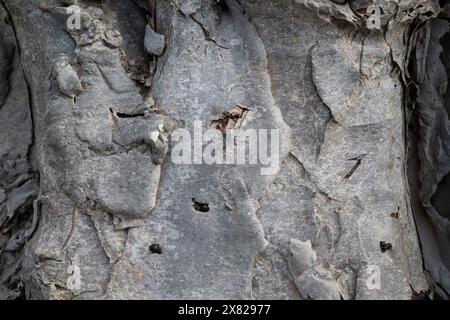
{"x":118,"y":217}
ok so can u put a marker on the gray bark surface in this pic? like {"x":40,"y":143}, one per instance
{"x":92,"y":207}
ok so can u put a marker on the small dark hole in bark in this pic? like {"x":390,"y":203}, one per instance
{"x":126,"y":116}
{"x":201,"y":207}
{"x":394,"y":215}
{"x":155,"y":248}
{"x":385,"y":246}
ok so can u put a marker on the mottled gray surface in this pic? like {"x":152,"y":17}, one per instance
{"x":18,"y":186}
{"x":105,"y":100}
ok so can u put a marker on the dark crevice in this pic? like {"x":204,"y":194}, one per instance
{"x":355,"y":167}
{"x":20,"y":181}
{"x":385,"y":246}
{"x":28,"y":85}
{"x":199,"y":206}
{"x":206,"y":33}
{"x":5,"y":72}
{"x":440,"y":199}
{"x":127,"y":116}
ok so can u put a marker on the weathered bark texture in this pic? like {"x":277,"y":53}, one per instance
{"x":91,"y":205}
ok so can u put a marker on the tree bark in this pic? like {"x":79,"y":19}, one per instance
{"x":93,"y":205}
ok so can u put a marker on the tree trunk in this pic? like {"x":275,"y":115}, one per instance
{"x":95,"y":204}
